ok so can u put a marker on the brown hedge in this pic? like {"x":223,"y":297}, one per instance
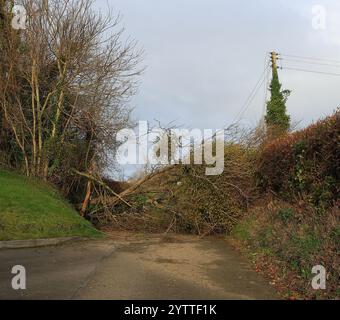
{"x":306,"y":162}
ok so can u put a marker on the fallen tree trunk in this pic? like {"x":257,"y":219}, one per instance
{"x":104,"y":185}
{"x":119,"y":197}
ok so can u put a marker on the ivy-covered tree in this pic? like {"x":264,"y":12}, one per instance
{"x":277,"y":119}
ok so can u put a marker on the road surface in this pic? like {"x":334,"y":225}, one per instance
{"x":134,"y":267}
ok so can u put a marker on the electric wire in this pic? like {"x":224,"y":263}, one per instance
{"x":312,"y":63}
{"x":311,"y":71}
{"x":309,"y":58}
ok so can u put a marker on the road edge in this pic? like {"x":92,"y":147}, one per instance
{"x":32,"y":243}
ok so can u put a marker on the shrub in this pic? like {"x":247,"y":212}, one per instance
{"x":305,"y":163}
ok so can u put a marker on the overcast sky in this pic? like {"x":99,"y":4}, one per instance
{"x":204,"y":57}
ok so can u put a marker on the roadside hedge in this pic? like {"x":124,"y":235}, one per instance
{"x":305,"y":163}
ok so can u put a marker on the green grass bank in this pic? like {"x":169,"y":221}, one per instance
{"x":30,"y":209}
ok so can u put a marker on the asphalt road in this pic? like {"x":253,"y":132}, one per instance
{"x":134,"y":267}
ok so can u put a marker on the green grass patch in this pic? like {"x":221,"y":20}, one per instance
{"x":286,"y":214}
{"x":30,"y":209}
{"x":242,"y":231}
{"x":306,"y":245}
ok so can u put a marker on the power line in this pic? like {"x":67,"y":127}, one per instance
{"x":309,"y":58}
{"x":246,"y":104}
{"x":265,"y":96}
{"x":251,"y":96}
{"x":311,"y":71}
{"x":312,"y":62}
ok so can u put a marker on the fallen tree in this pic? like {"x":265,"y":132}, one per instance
{"x":182,"y":198}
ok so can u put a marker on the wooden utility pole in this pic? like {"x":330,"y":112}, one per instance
{"x":274,"y":58}
{"x":277,"y":119}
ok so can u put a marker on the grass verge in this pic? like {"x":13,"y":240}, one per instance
{"x":285,"y":242}
{"x":30,"y":209}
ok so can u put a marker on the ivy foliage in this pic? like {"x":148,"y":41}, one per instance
{"x":277,"y":119}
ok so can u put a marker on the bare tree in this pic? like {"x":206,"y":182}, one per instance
{"x":64,"y":86}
